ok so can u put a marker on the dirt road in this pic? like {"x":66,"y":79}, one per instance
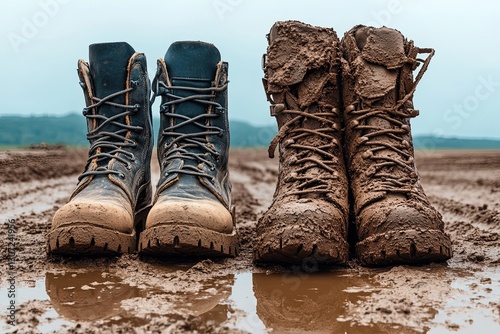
{"x":133,"y":295}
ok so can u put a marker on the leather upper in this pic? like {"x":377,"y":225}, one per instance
{"x":113,"y":68}
{"x":196,"y":65}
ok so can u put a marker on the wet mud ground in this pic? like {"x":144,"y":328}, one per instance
{"x":129,"y":294}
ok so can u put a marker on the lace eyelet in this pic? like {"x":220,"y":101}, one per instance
{"x":221,"y":133}
{"x":121,"y":176}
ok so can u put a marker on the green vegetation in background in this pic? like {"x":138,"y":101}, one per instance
{"x":71,"y":130}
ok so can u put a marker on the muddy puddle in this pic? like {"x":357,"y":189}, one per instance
{"x":266,"y":301}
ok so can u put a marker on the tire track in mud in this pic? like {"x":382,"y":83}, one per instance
{"x":479,"y":216}
{"x":34,"y":197}
{"x":32,"y":204}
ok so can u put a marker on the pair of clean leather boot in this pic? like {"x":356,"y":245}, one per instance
{"x":112,"y":209}
{"x":343,"y":110}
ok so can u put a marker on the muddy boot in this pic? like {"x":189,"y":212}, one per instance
{"x":394,"y":219}
{"x":308,"y":216}
{"x":114,"y":192}
{"x":192,"y":213}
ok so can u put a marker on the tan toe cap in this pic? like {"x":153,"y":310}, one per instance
{"x":102,"y":213}
{"x":207,"y":214}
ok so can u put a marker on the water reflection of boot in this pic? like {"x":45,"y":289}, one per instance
{"x":210,"y":304}
{"x":289,"y":303}
{"x":87,"y":296}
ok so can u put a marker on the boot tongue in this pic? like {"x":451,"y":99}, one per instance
{"x":108,"y":69}
{"x":191,"y":64}
{"x":108,"y":66}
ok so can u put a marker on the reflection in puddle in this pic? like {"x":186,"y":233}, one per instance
{"x":253,"y":302}
{"x":88,"y":296}
{"x":314,"y":302}
{"x":91,"y":296}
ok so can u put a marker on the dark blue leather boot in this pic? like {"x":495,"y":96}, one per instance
{"x":114,"y":192}
{"x":192,"y":213}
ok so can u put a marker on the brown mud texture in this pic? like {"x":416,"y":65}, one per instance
{"x":129,"y":294}
{"x":308,"y":215}
{"x":378,"y":87}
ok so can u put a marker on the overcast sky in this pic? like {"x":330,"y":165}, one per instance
{"x":42,"y":40}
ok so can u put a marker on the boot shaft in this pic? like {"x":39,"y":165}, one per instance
{"x":378,"y":87}
{"x":302,"y":84}
{"x":308,"y":216}
{"x":116,"y":89}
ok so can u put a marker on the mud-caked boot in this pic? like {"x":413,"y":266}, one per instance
{"x":192,"y":213}
{"x":114,"y":192}
{"x":395,"y":221}
{"x":308,"y":216}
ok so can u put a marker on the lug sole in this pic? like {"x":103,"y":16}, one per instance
{"x":86,"y":239}
{"x":404,"y":247}
{"x":187,"y":241}
{"x":300,"y":248}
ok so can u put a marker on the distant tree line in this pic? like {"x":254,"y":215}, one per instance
{"x":71,"y":130}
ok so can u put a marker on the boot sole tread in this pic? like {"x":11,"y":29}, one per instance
{"x":404,"y":247}
{"x":187,"y":241}
{"x":274,"y":248}
{"x":89,"y":240}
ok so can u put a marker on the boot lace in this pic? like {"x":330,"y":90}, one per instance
{"x":390,"y":182}
{"x":107,"y":144}
{"x":184,"y":145}
{"x":304,"y":159}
